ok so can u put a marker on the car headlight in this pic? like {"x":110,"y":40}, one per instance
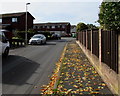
{"x":29,"y":40}
{"x":38,"y":40}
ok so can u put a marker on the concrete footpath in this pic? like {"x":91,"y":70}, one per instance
{"x":78,"y":76}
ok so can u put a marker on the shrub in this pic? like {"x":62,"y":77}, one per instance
{"x":81,"y":26}
{"x":109,"y":16}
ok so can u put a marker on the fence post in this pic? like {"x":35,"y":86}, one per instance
{"x":100,"y":44}
{"x":86,"y":39}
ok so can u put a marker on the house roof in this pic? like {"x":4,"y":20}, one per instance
{"x":50,"y":23}
{"x":14,"y":14}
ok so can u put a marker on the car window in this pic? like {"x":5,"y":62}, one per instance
{"x":36,"y":37}
{"x":42,"y":37}
{"x":2,"y":38}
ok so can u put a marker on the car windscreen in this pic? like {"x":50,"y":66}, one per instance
{"x":37,"y":37}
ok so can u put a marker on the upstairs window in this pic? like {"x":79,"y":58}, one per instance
{"x":63,"y":26}
{"x":56,"y":26}
{"x":60,"y":26}
{"x":53,"y":26}
{"x":36,"y":27}
{"x":14,"y":19}
{"x":41,"y":27}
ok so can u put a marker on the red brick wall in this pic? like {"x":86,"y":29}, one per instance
{"x":21,"y":22}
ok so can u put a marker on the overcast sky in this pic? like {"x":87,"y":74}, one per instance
{"x":56,"y":11}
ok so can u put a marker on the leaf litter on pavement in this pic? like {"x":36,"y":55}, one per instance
{"x":77,"y":76}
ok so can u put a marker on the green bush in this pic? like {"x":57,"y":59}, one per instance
{"x":30,"y":33}
{"x":47,"y":34}
{"x":81,"y":26}
{"x":21,"y":34}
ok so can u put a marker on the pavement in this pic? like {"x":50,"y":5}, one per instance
{"x":78,"y":76}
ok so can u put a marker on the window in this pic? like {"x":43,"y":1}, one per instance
{"x":53,"y":26}
{"x":56,"y":26}
{"x":60,"y":26}
{"x":41,"y":27}
{"x":36,"y":27}
{"x":14,"y":19}
{"x":63,"y":26}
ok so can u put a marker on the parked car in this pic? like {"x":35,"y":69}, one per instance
{"x":38,"y":39}
{"x":56,"y":36}
{"x":4,"y":44}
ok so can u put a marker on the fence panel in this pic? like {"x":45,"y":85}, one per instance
{"x":95,"y":42}
{"x":114,"y":51}
{"x":105,"y":50}
{"x":89,"y":40}
{"x":109,"y":51}
{"x":84,"y":33}
{"x":82,"y":37}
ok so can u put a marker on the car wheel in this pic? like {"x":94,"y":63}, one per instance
{"x":6,"y":52}
{"x":41,"y":42}
{"x":44,"y":42}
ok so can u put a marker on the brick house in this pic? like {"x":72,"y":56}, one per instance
{"x":61,"y":28}
{"x":17,"y":21}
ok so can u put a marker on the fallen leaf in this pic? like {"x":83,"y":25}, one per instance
{"x":68,"y":91}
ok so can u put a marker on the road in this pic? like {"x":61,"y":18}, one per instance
{"x":26,"y":69}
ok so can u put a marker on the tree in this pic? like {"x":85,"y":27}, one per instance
{"x":91,"y":26}
{"x":81,"y":26}
{"x":109,"y":16}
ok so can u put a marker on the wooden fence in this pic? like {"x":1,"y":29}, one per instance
{"x":109,"y":45}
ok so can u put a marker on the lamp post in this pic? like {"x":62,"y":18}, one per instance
{"x":26,"y":25}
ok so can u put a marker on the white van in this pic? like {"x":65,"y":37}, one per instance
{"x":4,"y":44}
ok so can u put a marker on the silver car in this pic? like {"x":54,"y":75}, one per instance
{"x":38,"y":39}
{"x":4,"y":44}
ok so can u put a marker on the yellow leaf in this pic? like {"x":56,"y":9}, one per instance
{"x":75,"y":86}
{"x":69,"y":91}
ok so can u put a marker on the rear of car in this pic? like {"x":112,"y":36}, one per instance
{"x":4,"y":44}
{"x":56,"y":36}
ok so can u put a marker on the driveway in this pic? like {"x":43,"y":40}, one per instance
{"x":26,"y":69}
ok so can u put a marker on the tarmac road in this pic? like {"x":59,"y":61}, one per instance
{"x":26,"y":69}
